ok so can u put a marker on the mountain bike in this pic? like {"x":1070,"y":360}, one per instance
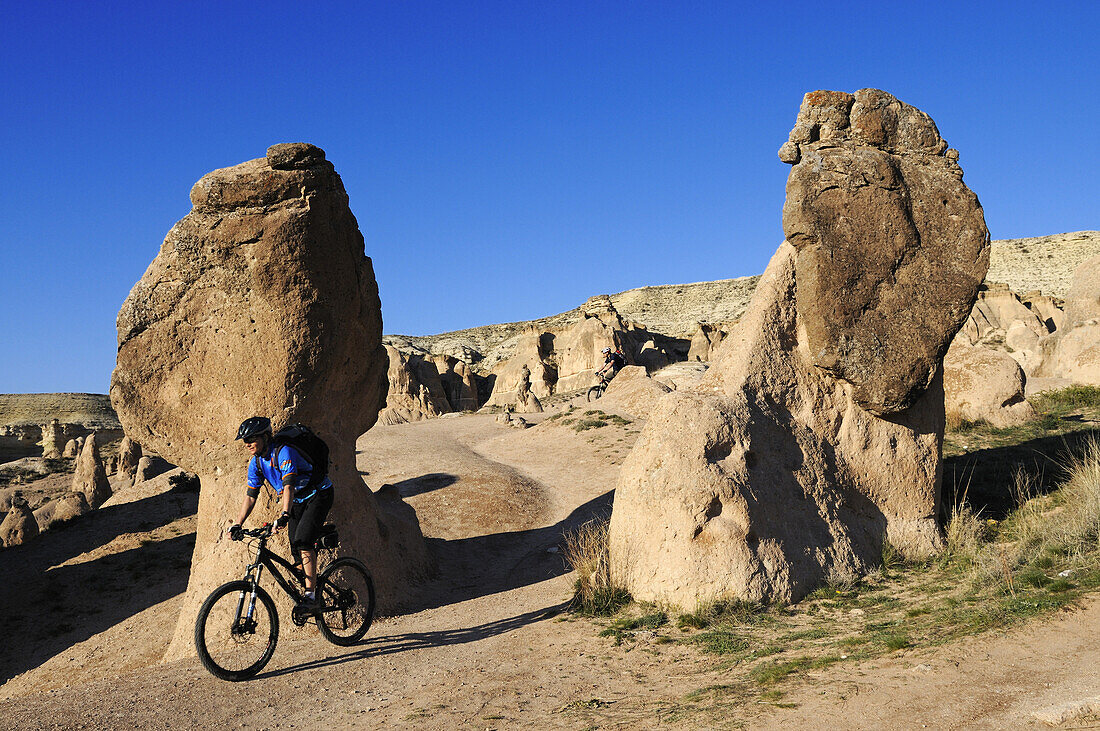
{"x":238,"y":625}
{"x":596,"y":391}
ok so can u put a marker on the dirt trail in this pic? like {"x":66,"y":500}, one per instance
{"x":487,"y":644}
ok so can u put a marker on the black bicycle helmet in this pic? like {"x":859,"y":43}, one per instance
{"x":254,"y":427}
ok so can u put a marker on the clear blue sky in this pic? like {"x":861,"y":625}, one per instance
{"x":505,"y":160}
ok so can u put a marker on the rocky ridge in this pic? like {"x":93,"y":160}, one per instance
{"x":91,"y":410}
{"x":1044,"y":263}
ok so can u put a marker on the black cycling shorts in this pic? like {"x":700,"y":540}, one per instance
{"x":306,"y":518}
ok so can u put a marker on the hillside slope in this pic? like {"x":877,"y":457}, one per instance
{"x":93,"y":410}
{"x":1045,"y":263}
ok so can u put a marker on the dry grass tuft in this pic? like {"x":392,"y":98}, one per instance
{"x":586,"y":552}
{"x":841,"y":578}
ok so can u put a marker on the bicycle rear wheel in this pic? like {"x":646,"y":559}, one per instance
{"x":346,"y":594}
{"x":234,"y":644}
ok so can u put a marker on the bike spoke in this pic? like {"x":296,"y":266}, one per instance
{"x":237,"y":634}
{"x":348,"y":602}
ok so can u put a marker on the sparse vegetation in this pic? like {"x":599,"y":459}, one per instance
{"x":1072,"y":397}
{"x":1042,"y":556}
{"x":590,"y":419}
{"x":585,"y":551}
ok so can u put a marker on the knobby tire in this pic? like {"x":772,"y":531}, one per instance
{"x":346,"y":593}
{"x":217,"y":642}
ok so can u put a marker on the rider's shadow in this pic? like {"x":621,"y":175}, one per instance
{"x":412,"y":641}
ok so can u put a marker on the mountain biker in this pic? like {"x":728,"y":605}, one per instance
{"x":304,"y":507}
{"x":612,"y":364}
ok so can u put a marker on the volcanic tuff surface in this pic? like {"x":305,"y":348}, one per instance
{"x":269,"y":246}
{"x":1045,"y":263}
{"x":773,"y":474}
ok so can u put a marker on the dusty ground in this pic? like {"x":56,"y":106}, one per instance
{"x":88,"y":609}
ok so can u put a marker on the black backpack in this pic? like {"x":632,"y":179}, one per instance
{"x":309,"y":445}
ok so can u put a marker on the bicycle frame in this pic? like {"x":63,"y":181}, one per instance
{"x":266,"y":558}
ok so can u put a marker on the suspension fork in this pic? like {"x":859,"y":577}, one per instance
{"x":252,"y":575}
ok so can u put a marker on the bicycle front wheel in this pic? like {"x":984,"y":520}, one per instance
{"x":346,"y":593}
{"x":234,"y":635}
{"x":595,"y":392}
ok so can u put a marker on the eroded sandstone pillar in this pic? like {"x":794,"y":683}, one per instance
{"x":817,"y":433}
{"x":262,"y":302}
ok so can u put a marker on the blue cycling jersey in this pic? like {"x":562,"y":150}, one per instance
{"x":272,"y":468}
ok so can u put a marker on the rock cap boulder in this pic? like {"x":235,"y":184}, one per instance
{"x":892,"y":245}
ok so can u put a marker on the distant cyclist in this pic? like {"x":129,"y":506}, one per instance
{"x":304,"y":507}
{"x":613,"y":363}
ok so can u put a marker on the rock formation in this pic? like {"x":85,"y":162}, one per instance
{"x":415,"y":390}
{"x":984,"y":384}
{"x":526,"y":402}
{"x":532,"y":350}
{"x":262,"y":301}
{"x":1002,"y":320}
{"x":53,"y":440}
{"x":145,"y":469}
{"x":1073,"y":352}
{"x":19,"y":525}
{"x":458,"y":381}
{"x":634,"y":392}
{"x":90,"y":476}
{"x":19,"y":440}
{"x":705,"y":341}
{"x":817,"y":432}
{"x":425,"y":385}
{"x":68,"y":506}
{"x":129,"y":454}
{"x":579,"y":349}
{"x":869,"y":168}
{"x":71,"y":449}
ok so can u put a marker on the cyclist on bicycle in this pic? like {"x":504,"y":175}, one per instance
{"x":304,"y":507}
{"x":612,"y":364}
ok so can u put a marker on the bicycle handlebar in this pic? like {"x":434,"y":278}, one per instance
{"x":264,"y":531}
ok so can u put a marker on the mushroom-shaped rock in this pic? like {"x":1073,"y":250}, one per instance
{"x":526,"y":401}
{"x":19,"y":525}
{"x":777,"y":470}
{"x":263,"y":302}
{"x":53,"y":440}
{"x":90,"y":476}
